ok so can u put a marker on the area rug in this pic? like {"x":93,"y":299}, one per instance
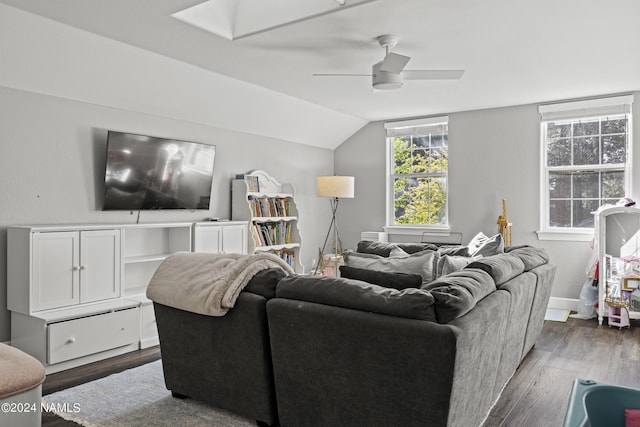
{"x":135,"y":398}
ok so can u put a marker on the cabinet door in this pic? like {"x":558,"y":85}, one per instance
{"x":207,"y":239}
{"x":234,"y":239}
{"x":100,"y":265}
{"x":55,"y":270}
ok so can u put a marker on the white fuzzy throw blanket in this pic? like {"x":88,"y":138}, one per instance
{"x":207,"y":283}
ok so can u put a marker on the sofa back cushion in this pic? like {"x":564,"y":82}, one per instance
{"x":501,"y":267}
{"x":265,"y":281}
{"x":531,"y":257}
{"x":397,"y":281}
{"x":423,"y":263}
{"x":410,"y":303}
{"x":385,"y":248}
{"x":457,"y":293}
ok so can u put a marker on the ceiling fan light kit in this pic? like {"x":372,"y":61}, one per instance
{"x":389,"y":73}
{"x":384,"y":80}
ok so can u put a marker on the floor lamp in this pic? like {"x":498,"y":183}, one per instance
{"x":335,"y":188}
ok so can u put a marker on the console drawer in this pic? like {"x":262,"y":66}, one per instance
{"x":88,"y":335}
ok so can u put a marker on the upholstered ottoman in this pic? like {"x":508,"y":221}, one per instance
{"x":21,"y":377}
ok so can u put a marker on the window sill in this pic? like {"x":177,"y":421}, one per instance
{"x":418,"y":230}
{"x":566,"y":235}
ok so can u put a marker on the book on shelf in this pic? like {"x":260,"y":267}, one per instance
{"x":287,"y":256}
{"x":269,"y":206}
{"x":253,"y":184}
{"x":271,"y":233}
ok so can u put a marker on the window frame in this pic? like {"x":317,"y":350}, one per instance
{"x":576,"y":110}
{"x":391,"y":225}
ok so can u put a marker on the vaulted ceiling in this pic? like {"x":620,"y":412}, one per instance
{"x":513,"y":52}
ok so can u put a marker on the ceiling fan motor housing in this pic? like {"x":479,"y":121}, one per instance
{"x":383,"y":80}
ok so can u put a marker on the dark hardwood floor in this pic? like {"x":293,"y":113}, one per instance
{"x":538,"y":393}
{"x":536,"y":396}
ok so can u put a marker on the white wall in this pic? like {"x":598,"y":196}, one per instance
{"x":62,"y":88}
{"x":52,"y":154}
{"x":44,"y":56}
{"x":493,"y":154}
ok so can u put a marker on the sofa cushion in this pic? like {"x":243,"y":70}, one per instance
{"x":500,"y":267}
{"x":531,"y":257}
{"x":423,"y":263}
{"x":385,"y":248}
{"x":397,"y":281}
{"x":486,"y":246}
{"x":457,"y":293}
{"x":411,"y":303}
{"x":454,"y":250}
{"x":450,"y":263}
{"x":265,"y":281}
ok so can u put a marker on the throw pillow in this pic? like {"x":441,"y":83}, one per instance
{"x":450,"y":263}
{"x":423,"y":263}
{"x":632,"y":417}
{"x":486,"y":246}
{"x":397,"y":281}
{"x":454,"y":250}
{"x":398,"y":253}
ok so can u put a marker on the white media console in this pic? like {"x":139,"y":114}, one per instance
{"x":77,"y":292}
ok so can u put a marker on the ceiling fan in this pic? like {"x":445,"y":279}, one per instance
{"x":390,"y":73}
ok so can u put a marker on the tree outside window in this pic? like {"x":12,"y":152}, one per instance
{"x":420,"y":160}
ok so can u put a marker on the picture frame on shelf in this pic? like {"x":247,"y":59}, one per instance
{"x":630,"y":283}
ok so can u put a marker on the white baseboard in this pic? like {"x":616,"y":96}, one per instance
{"x":563,"y":303}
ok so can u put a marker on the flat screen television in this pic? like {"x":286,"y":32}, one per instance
{"x":145,"y":172}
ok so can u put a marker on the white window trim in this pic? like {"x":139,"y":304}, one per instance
{"x":410,"y":229}
{"x":570,"y":235}
{"x":577,"y":109}
{"x":418,"y":229}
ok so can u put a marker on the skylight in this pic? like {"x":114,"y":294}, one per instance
{"x":235,"y":19}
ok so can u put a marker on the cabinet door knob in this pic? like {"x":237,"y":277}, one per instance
{"x":71,"y":340}
{"x":75,"y":268}
{"x":83,"y":267}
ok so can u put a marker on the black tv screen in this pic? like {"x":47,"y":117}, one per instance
{"x":145,"y":172}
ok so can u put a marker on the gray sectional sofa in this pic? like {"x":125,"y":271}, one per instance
{"x":428,"y":351}
{"x":224,"y":361}
{"x":350,"y":353}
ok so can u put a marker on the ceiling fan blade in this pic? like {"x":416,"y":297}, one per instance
{"x":394,"y":63}
{"x":340,"y":75}
{"x":432,"y":74}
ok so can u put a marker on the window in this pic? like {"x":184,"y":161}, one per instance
{"x":418,"y":159}
{"x":585,"y":160}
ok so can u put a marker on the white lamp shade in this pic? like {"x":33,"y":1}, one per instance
{"x":335,"y":186}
